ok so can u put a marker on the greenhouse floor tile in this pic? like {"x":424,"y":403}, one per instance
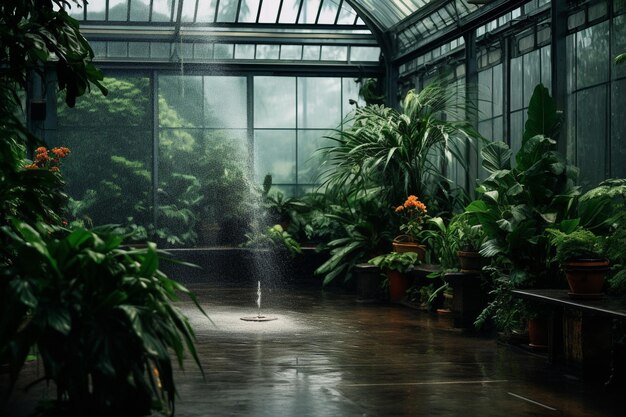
{"x":327,"y":355}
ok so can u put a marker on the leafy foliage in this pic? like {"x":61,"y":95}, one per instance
{"x":400,"y":151}
{"x":101,"y":317}
{"x":579,"y":244}
{"x":395,"y":261}
{"x":273,"y":237}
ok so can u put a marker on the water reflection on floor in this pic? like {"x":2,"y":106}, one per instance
{"x":327,"y":355}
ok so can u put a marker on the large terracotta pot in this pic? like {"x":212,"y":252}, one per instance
{"x":586,"y":277}
{"x":402,"y":245}
{"x":399,"y":283}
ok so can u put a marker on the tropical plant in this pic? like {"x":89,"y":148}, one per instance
{"x":516,"y":205}
{"x":395,"y":261}
{"x":363,"y":233}
{"x":99,"y":315}
{"x":467,"y":237}
{"x":272,"y":237}
{"x":400,"y":151}
{"x":577,"y":244}
{"x":440,"y":239}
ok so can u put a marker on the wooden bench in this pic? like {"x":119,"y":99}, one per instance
{"x":583,"y":335}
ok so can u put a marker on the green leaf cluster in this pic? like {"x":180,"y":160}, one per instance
{"x":100,"y":315}
{"x":395,"y":261}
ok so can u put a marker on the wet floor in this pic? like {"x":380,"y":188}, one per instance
{"x":327,"y":355}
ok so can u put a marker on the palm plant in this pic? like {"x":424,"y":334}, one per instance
{"x":401,"y":151}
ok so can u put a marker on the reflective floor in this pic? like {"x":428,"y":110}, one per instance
{"x":327,"y":355}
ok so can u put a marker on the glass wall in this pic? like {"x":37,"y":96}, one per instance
{"x":596,"y":86}
{"x":215,"y":138}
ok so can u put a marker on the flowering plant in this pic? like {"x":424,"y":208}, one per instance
{"x":48,"y":159}
{"x":413,"y":212}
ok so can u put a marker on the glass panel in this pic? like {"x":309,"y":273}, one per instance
{"x":289,"y":12}
{"x":206,"y":11}
{"x":532,"y":73}
{"x":275,"y":154}
{"x":292,"y":52}
{"x":139,"y":10}
{"x":334,"y":53}
{"x":498,"y":94}
{"x":118,"y":50}
{"x":311,"y":52}
{"x":225,"y":102}
{"x":118,"y":10}
{"x":111,"y":153}
{"x":249,"y":11}
{"x":497,"y":129}
{"x":517,"y":84}
{"x":546,"y":68}
{"x":99,"y":48}
{"x":75,"y":11}
{"x":310,"y":163}
{"x":619,"y":44}
{"x":223,"y":51}
{"x":138,"y":49}
{"x":96,"y":10}
{"x":204,"y":173}
{"x":180,"y":96}
{"x":517,"y":130}
{"x":309,"y":11}
{"x":160,"y":50}
{"x":269,"y":12}
{"x":571,"y":62}
{"x":329,"y":12}
{"x":484,"y":94}
{"x":592,"y":55}
{"x":364,"y":53}
{"x":591,"y":135}
{"x":162,"y":10}
{"x":244,"y":51}
{"x":203,"y":51}
{"x":346,"y":15}
{"x":275,"y":102}
{"x":267,"y":51}
{"x":189,"y":10}
{"x":618,"y":129}
{"x":227,"y":11}
{"x":350,"y":92}
{"x":184,"y":50}
{"x":319,"y":101}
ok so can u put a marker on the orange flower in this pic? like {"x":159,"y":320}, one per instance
{"x":41,"y":149}
{"x":54,"y":169}
{"x":61,"y":152}
{"x":399,"y":209}
{"x":31,"y":166}
{"x":41,"y":157}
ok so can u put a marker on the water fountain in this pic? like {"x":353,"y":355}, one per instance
{"x":259,"y":316}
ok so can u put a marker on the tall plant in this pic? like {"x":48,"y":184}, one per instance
{"x":401,"y":151}
{"x":516,"y":205}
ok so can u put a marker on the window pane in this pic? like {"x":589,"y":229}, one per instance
{"x":350,"y":92}
{"x":517,"y":84}
{"x":223,"y":51}
{"x":619,"y":44}
{"x":275,"y":154}
{"x":591,"y":135}
{"x":138,"y":49}
{"x":532,"y":71}
{"x":161,"y":10}
{"x":267,"y":51}
{"x":334,"y":53}
{"x":517,"y":130}
{"x":225,"y":102}
{"x":485,"y":95}
{"x":289,"y":12}
{"x":291,"y":52}
{"x":244,"y":51}
{"x":311,"y":52}
{"x":96,"y":10}
{"x":592,"y":55}
{"x":206,"y":10}
{"x":319,"y":102}
{"x":309,"y":11}
{"x":249,"y":10}
{"x":310,"y":163}
{"x":275,"y":102}
{"x":118,"y":10}
{"x":228,"y":11}
{"x":618,"y":130}
{"x":498,"y":94}
{"x":180,"y":101}
{"x":139,"y":10}
{"x":364,"y":53}
{"x":269,"y":12}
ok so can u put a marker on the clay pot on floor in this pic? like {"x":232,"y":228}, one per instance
{"x":399,"y":283}
{"x":469,"y":261}
{"x":538,"y":330}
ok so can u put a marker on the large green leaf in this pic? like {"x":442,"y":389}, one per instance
{"x":496,"y":157}
{"x":543,"y":117}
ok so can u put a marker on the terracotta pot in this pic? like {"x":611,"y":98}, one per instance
{"x":399,"y":283}
{"x":538,"y":333}
{"x":410,"y":247}
{"x":469,"y":261}
{"x":586,"y":277}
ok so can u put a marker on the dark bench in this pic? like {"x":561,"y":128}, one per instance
{"x":584,"y":334}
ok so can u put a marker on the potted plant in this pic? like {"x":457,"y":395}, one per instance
{"x":413,"y":213}
{"x":580,"y":254}
{"x":396,"y":266}
{"x":468,"y":239}
{"x":99,"y":314}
